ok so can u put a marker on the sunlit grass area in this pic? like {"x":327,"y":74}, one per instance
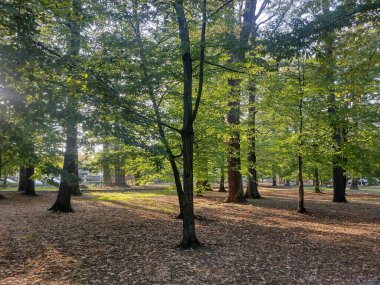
{"x":141,"y":198}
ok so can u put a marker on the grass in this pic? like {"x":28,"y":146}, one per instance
{"x":141,"y":198}
{"x":38,"y":188}
{"x":130,"y":195}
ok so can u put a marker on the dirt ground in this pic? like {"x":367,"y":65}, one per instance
{"x":130,"y":238}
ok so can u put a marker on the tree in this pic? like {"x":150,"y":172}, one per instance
{"x":69,"y":184}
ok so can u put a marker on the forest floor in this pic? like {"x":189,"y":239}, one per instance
{"x":129,"y":237}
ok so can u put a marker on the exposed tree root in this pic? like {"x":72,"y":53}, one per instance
{"x":196,"y":217}
{"x":29,"y":194}
{"x":179,"y":216}
{"x":58,"y":207}
{"x":302,"y":210}
{"x":255,"y":196}
{"x":340,"y":200}
{"x":194,"y":244}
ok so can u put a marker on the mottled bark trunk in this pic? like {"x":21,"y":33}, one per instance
{"x":287,"y":183}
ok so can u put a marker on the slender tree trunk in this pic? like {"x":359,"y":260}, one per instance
{"x":316,"y":181}
{"x":189,"y":239}
{"x":354,"y":184}
{"x":301,"y":192}
{"x":221,"y":183}
{"x":274,"y":181}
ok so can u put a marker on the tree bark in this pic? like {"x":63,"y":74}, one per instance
{"x":316,"y":181}
{"x":106,"y":167}
{"x":252,"y":188}
{"x":221,"y":183}
{"x":69,"y":179}
{"x":119,"y":175}
{"x":189,"y":239}
{"x":301,"y":192}
{"x":339,"y":192}
{"x":22,"y":179}
{"x":30,"y":186}
{"x":235,"y":181}
{"x":69,"y":184}
{"x":274,"y":181}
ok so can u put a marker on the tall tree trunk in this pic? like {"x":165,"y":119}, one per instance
{"x":69,"y":181}
{"x":1,"y":168}
{"x":221,"y":183}
{"x":119,"y":175}
{"x":274,"y":181}
{"x":354,"y":184}
{"x":316,"y":181}
{"x":252,"y":188}
{"x":22,"y":179}
{"x":301,"y":192}
{"x":69,"y":184}
{"x":30,"y":186}
{"x":74,"y":157}
{"x":106,"y":167}
{"x":339,"y":192}
{"x":189,"y":239}
{"x":235,"y":181}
